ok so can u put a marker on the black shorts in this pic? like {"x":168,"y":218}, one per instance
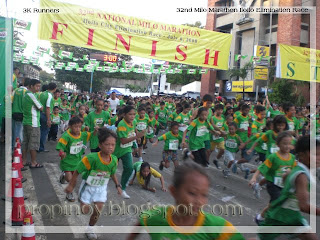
{"x":142,"y":142}
{"x":273,"y":190}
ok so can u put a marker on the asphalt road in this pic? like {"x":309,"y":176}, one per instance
{"x":45,"y":193}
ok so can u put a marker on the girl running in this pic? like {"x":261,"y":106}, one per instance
{"x":190,"y":189}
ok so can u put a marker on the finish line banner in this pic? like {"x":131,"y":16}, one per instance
{"x":91,"y":28}
{"x":294,"y":63}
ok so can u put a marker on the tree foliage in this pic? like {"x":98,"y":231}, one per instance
{"x":285,"y":90}
{"x":82,"y":79}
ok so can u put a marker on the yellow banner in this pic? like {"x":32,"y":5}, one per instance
{"x":92,"y":28}
{"x":261,"y":73}
{"x":294,"y":63}
{"x":237,"y":86}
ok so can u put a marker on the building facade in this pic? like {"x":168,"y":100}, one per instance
{"x":252,"y":29}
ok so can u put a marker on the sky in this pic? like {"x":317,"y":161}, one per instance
{"x":164,"y":11}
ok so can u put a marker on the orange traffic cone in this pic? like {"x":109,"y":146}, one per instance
{"x":28,"y":228}
{"x":17,"y":158}
{"x":18,"y":208}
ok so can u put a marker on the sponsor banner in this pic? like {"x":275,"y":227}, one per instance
{"x":20,"y":43}
{"x":21,"y":24}
{"x":237,"y":86}
{"x":261,"y":51}
{"x":65,"y":54}
{"x":294,"y":63}
{"x":43,"y":49}
{"x":261,"y":73}
{"x":96,"y":29}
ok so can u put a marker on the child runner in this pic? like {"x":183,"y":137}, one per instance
{"x":65,"y":115}
{"x":242,"y":121}
{"x":218,"y":141}
{"x":293,"y":124}
{"x":96,"y":169}
{"x":190,"y":189}
{"x":142,"y":123}
{"x":55,"y":122}
{"x":162,"y":114}
{"x":232,"y":145}
{"x":143,"y":171}
{"x":294,"y":198}
{"x":199,"y":131}
{"x":184,"y":118}
{"x":126,"y":131}
{"x":94,"y":120}
{"x":273,"y":169}
{"x":71,"y":147}
{"x":172,"y":141}
{"x":153,"y":124}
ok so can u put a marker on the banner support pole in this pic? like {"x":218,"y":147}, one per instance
{"x":91,"y":82}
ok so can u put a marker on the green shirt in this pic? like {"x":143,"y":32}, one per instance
{"x":74,"y":149}
{"x":31,"y":110}
{"x":124,"y":130}
{"x":171,"y":141}
{"x":17,"y":100}
{"x":162,"y":115}
{"x":286,"y":208}
{"x":65,"y":112}
{"x":92,"y":120}
{"x":162,"y":216}
{"x":274,"y":167}
{"x":199,"y":133}
{"x":142,"y":124}
{"x":55,"y":119}
{"x":219,"y":122}
{"x":46,"y":100}
{"x":242,"y":123}
{"x":92,"y":165}
{"x":156,"y":107}
{"x":56,"y":102}
{"x":269,"y":137}
{"x":173,"y":116}
{"x":293,"y":124}
{"x":232,"y":143}
{"x":153,"y":123}
{"x":170,"y":107}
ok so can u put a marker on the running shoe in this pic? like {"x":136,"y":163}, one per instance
{"x":90,"y":234}
{"x":185,"y":152}
{"x":70,"y":197}
{"x":216,"y":163}
{"x":62,"y":179}
{"x":226,"y":173}
{"x":247,"y":173}
{"x":143,"y":152}
{"x":258,"y":221}
{"x":125,"y":195}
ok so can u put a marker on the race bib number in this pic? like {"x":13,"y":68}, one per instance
{"x":292,"y":204}
{"x":150,"y":131}
{"x":244,"y":126}
{"x":141,"y":126}
{"x":278,"y":181}
{"x":64,"y":111}
{"x":161,"y":115}
{"x":186,"y":120}
{"x":264,"y":146}
{"x":98,"y":122}
{"x":291,"y":126}
{"x":97,"y":178}
{"x":173,"y":144}
{"x":231,"y":144}
{"x":201,"y":131}
{"x":56,"y":120}
{"x":183,"y":127}
{"x":76,"y":147}
{"x":129,"y":144}
{"x":274,"y":149}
